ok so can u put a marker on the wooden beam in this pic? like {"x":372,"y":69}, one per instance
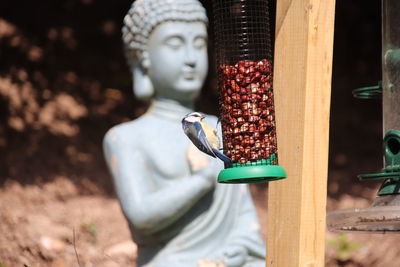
{"x":302,"y":82}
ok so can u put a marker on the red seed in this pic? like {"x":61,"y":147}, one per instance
{"x":240,"y":63}
{"x":256,"y":76}
{"x":239,"y":77}
{"x":236,"y":112}
{"x":264,"y":98}
{"x":251,"y":140}
{"x":238,"y":137}
{"x":262,"y":105}
{"x":235,"y":97}
{"x":236,"y":104}
{"x":242,"y":160}
{"x":240,"y":120}
{"x":254,"y":87}
{"x":247,"y":79}
{"x":253,"y":118}
{"x":262,"y":122}
{"x":245,"y":106}
{"x":244,"y":127}
{"x":265,"y":112}
{"x":260,"y":90}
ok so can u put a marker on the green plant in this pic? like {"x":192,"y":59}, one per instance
{"x":343,"y":246}
{"x":3,"y":264}
{"x":91,"y":229}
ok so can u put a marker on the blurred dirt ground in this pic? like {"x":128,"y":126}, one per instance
{"x":55,"y":224}
{"x":64,"y":82}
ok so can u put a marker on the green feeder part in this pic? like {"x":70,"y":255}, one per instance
{"x":384,"y":213}
{"x":391,"y":172}
{"x":370,"y":92}
{"x":243,"y":48}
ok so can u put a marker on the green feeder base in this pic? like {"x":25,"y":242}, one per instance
{"x":251,"y":172}
{"x":391,"y":172}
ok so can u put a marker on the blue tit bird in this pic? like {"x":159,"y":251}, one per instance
{"x":203,"y":136}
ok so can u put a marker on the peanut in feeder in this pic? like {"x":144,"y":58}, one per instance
{"x":244,"y":65}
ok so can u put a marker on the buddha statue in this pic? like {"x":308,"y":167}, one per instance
{"x":179,"y":216}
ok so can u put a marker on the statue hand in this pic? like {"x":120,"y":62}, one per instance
{"x":203,"y":165}
{"x":210,"y":171}
{"x":197,"y":159}
{"x":235,"y":256}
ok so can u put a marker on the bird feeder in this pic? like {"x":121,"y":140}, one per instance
{"x":384,"y":214}
{"x":244,"y":64}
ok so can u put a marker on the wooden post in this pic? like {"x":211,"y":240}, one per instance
{"x":302,"y":81}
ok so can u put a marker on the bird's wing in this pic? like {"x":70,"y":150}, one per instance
{"x":202,"y":142}
{"x":211,"y":135}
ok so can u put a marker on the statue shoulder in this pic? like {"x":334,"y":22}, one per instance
{"x":124,"y":133}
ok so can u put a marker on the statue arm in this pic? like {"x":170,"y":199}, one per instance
{"x":147,"y":208}
{"x":247,"y":232}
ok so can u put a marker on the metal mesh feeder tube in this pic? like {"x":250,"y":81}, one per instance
{"x":247,"y":111}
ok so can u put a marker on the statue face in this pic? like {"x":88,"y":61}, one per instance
{"x":177,"y":59}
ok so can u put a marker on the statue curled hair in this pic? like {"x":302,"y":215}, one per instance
{"x":145,"y":15}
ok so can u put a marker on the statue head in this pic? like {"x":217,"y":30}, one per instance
{"x":166,"y":47}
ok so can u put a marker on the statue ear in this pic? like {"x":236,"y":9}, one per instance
{"x":142,"y":85}
{"x":145,"y":60}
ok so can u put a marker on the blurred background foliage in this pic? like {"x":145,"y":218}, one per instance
{"x":64,"y":82}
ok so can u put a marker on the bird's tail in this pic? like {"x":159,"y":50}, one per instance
{"x":222,"y":157}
